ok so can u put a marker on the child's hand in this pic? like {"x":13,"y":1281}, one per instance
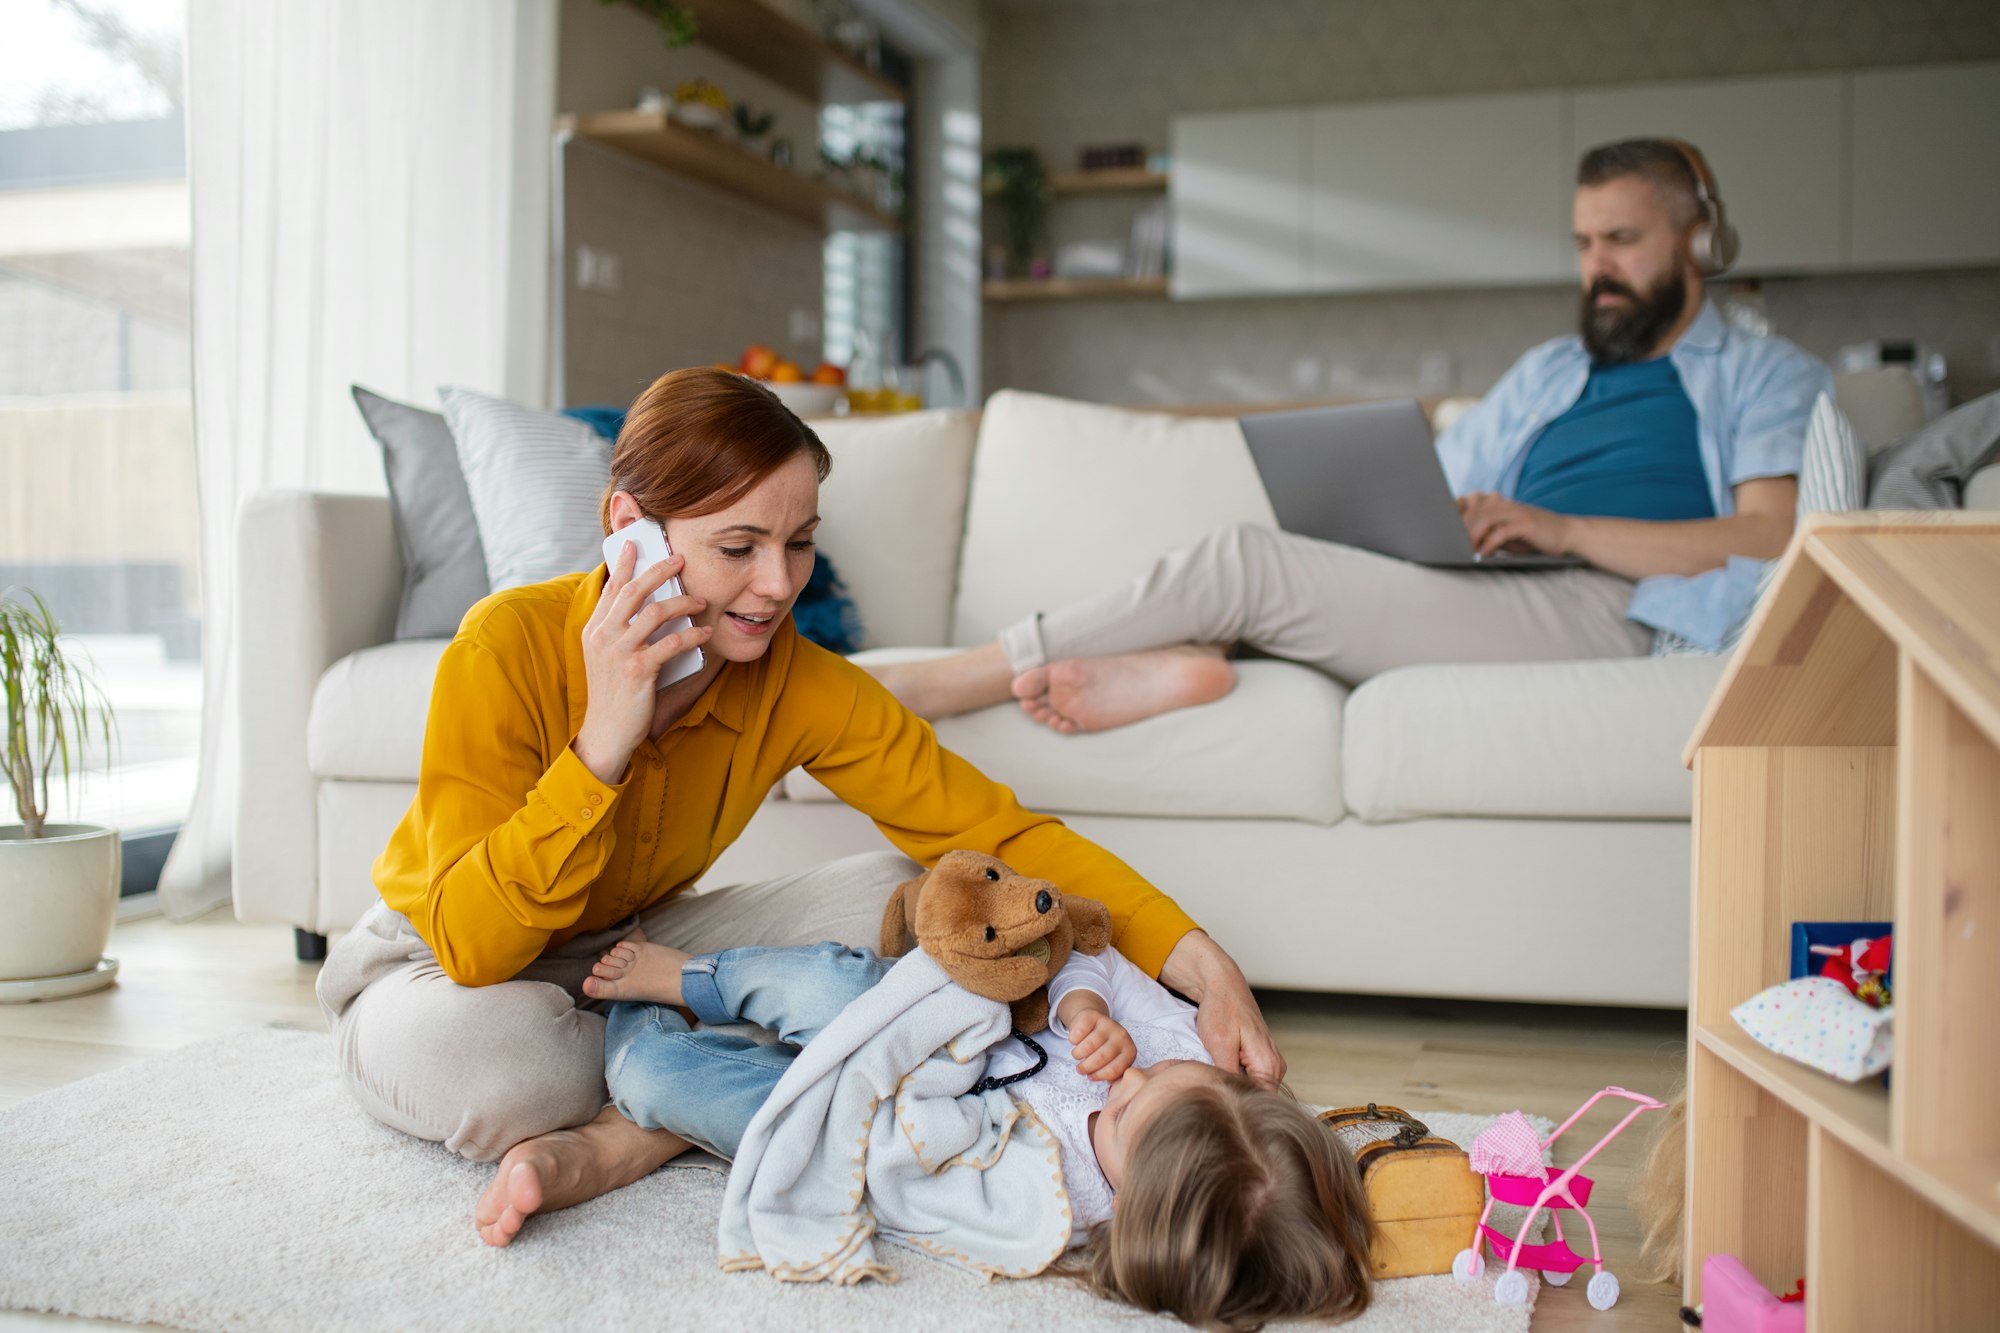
{"x":1104,"y":1049}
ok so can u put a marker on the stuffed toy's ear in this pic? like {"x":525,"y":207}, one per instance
{"x":899,"y":918}
{"x":1091,"y":920}
{"x":1031,"y":1012}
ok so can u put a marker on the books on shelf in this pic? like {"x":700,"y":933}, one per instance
{"x":1147,"y":256}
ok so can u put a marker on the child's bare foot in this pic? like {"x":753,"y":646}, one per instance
{"x":633,"y":969}
{"x":1098,"y":693}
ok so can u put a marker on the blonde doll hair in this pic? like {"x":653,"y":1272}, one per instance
{"x":1237,"y":1208}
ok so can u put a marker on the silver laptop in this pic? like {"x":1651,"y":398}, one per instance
{"x":1369,"y":476}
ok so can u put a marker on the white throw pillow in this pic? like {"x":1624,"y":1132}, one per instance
{"x":536,"y":480}
{"x":1069,"y":499}
{"x":893,"y":513}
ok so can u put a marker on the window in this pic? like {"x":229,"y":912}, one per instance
{"x":97,"y":465}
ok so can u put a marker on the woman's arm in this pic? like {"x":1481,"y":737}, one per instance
{"x":883,"y":760}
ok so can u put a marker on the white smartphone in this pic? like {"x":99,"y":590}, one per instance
{"x":652,"y":544}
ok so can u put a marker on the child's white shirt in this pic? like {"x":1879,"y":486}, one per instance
{"x":1162,"y":1028}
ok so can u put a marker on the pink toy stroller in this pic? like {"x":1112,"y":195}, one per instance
{"x":1509,"y":1155}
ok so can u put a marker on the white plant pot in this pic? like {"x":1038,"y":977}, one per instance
{"x":59,"y":898}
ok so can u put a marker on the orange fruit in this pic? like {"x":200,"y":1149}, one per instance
{"x":785,"y":372}
{"x":758,"y":361}
{"x":828,"y":374}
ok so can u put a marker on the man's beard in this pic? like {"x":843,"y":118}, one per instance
{"x":1616,"y":335}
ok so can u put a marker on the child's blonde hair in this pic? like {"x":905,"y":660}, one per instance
{"x":1237,"y":1208}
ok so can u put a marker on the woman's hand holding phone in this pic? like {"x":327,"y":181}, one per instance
{"x":621,"y":669}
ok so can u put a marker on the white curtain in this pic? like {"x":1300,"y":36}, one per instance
{"x":370,"y":194}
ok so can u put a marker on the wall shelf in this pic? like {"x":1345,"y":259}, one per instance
{"x":650,"y":136}
{"x":1846,"y":769}
{"x":1107,"y":179}
{"x":786,"y":52}
{"x":1072,"y":289}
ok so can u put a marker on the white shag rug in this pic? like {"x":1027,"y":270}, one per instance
{"x":234,"y":1185}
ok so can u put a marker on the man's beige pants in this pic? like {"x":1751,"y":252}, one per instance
{"x":1347,"y":612}
{"x":480,"y":1068}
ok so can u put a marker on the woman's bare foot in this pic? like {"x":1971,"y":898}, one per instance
{"x":568,"y":1167}
{"x":1098,"y":693}
{"x":947,"y":686}
{"x":632,"y":969}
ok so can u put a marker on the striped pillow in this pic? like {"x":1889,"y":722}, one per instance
{"x":536,"y":480}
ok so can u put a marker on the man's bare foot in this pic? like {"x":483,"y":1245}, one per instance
{"x":1098,"y":693}
{"x":632,"y":969}
{"x":568,"y":1167}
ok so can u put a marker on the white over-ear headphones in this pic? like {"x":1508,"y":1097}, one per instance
{"x":1714,"y":245}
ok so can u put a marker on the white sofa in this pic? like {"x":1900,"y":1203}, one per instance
{"x":1504,"y":831}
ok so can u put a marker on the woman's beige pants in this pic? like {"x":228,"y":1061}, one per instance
{"x":480,"y":1068}
{"x":1347,"y":612}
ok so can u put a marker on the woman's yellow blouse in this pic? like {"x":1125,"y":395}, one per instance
{"x":513,"y":845}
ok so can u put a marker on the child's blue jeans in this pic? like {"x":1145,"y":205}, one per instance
{"x":704,"y":1085}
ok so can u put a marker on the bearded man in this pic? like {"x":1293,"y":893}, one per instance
{"x":1660,"y":446}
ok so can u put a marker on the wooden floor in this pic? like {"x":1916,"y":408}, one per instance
{"x":180,"y":984}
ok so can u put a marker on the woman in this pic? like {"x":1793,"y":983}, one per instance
{"x":562,"y":802}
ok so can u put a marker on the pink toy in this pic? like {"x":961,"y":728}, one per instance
{"x":1551,"y":1188}
{"x":1734,"y":1301}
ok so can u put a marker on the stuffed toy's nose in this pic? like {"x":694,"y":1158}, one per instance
{"x":1043,"y":902}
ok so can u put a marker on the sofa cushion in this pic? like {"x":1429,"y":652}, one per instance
{"x":894,"y":513}
{"x":1070,"y":498}
{"x":444,"y":567}
{"x":1270,"y":749}
{"x":369,"y":712}
{"x":1599,"y":739}
{"x":537,"y":482}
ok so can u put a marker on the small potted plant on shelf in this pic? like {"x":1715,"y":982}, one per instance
{"x":678,"y":27}
{"x":58,"y":882}
{"x":1020,"y":190}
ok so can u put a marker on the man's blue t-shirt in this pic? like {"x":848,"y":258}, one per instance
{"x":1627,"y":449}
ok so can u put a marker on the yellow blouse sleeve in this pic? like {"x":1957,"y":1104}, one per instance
{"x":515,"y":827}
{"x":886,"y":762}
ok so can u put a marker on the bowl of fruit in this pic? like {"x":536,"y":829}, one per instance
{"x":808,"y":395}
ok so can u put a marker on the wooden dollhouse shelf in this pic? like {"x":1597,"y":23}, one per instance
{"x":649,"y":135}
{"x":1109,"y":180}
{"x":786,"y":52}
{"x":1848,"y":769}
{"x":1071,"y":289}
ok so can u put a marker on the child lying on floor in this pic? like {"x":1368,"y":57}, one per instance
{"x":1198,"y":1192}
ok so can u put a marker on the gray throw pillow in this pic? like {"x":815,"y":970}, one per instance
{"x":536,"y":480}
{"x":1929,"y":470}
{"x":444,"y":567}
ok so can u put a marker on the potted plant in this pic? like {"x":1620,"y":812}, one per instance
{"x":1020,"y":190}
{"x":58,"y":882}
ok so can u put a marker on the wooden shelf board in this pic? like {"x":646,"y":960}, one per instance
{"x":1107,"y":179}
{"x":787,"y":53}
{"x":650,"y":136}
{"x":1110,"y":180}
{"x":1856,"y":1114}
{"x":1060,"y":289}
{"x":1968,"y":1191}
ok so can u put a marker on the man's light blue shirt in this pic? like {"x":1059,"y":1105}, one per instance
{"x":1752,"y":398}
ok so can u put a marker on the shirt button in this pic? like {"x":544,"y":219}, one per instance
{"x":645,"y":837}
{"x":586,"y":812}
{"x":595,"y":799}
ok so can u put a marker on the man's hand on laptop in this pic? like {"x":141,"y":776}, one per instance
{"x":1495,"y":523}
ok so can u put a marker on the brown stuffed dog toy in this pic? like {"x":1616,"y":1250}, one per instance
{"x":996,"y":933}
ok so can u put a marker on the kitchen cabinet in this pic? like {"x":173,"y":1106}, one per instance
{"x":1239,"y":203}
{"x":1445,"y":192}
{"x":1924,"y":186}
{"x":1777,"y":147}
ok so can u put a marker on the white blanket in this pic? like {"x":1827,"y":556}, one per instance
{"x":874,"y":1128}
